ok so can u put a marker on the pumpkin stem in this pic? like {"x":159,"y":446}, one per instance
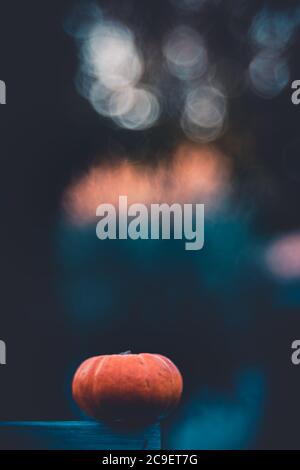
{"x":125,"y":353}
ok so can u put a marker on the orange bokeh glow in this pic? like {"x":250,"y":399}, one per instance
{"x":194,"y":174}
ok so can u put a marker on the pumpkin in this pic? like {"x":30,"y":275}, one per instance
{"x":127,"y":388}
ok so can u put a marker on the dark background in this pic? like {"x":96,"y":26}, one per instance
{"x":48,"y":135}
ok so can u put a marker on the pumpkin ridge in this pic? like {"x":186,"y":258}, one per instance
{"x":170,"y":398}
{"x":174,"y":369}
{"x":146,"y":367}
{"x":102,"y":360}
{"x":81,"y":387}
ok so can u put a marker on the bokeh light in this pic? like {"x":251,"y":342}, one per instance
{"x":194,"y":173}
{"x":139,"y":109}
{"x":110,"y":72}
{"x":185,"y":53}
{"x":204,"y":113}
{"x":283,"y":257}
{"x":82,"y":18}
{"x":268,"y":74}
{"x":110,"y":55}
{"x":271,"y":33}
{"x":273,"y":29}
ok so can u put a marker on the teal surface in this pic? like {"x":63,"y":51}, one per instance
{"x":75,"y":435}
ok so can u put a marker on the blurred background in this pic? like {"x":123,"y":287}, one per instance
{"x":171,"y":101}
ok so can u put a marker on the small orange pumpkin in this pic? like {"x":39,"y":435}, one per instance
{"x":127,"y":388}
